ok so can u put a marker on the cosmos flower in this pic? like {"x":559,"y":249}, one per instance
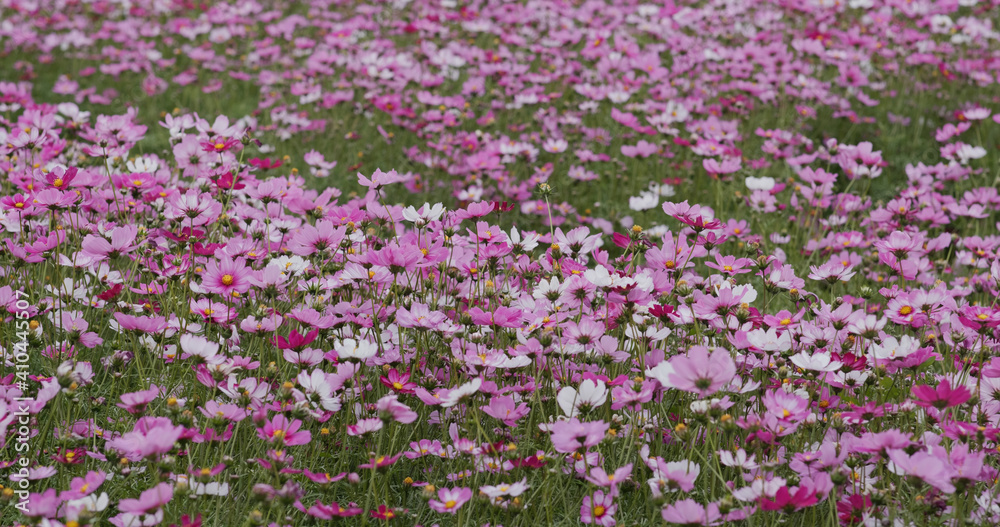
{"x":281,"y":431}
{"x":450,"y":500}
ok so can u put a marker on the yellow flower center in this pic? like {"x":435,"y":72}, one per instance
{"x":227,"y":279}
{"x":786,"y":321}
{"x":219,"y":146}
{"x":449,"y":504}
{"x":397,"y":385}
{"x":906,"y":310}
{"x":598,"y":511}
{"x":279,"y":434}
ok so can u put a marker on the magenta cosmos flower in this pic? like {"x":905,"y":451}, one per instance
{"x":450,"y":500}
{"x":280,"y":430}
{"x":944,"y":396}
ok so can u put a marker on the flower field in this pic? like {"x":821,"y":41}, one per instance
{"x":469,"y":263}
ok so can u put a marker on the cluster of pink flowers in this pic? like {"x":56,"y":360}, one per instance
{"x":764,"y":336}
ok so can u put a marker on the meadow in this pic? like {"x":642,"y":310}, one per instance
{"x":469,"y":263}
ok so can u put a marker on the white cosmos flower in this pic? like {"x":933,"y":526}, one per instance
{"x":662,"y":372}
{"x":760,"y":183}
{"x":528,"y":242}
{"x":770,"y":340}
{"x":359,"y":350}
{"x":644,"y":201}
{"x":455,"y":396}
{"x":737,"y":459}
{"x":591,"y":394}
{"x":816,"y":362}
{"x":893,"y":348}
{"x":425,"y":215}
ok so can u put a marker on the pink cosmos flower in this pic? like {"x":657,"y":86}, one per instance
{"x":572,"y":435}
{"x":786,"y":406}
{"x":692,"y":215}
{"x":42,"y":505}
{"x":323,"y":237}
{"x":149,"y":500}
{"x":503,"y":316}
{"x":227,"y":277}
{"x":333,"y":510}
{"x":601,"y":478}
{"x":84,"y":486}
{"x":690,"y":512}
{"x":599,"y":508}
{"x":365,"y":426}
{"x":728,"y":165}
{"x":898,"y":243}
{"x":193,"y":209}
{"x":700,"y":372}
{"x":932,"y":467}
{"x":390,"y":407}
{"x":450,"y":500}
{"x":150,"y":437}
{"x":228,"y":412}
{"x":673,"y":475}
{"x":379,"y":179}
{"x":730,"y":265}
{"x":505,"y":409}
{"x":121,"y":243}
{"x":135,"y":402}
